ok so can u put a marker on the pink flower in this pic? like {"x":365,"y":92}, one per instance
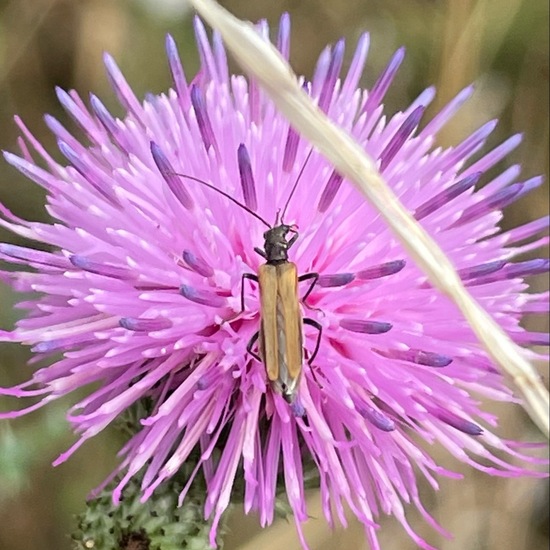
{"x":141,"y":291}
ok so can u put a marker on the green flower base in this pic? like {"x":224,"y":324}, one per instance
{"x":157,"y":524}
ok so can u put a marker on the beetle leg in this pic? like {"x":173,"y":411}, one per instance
{"x":250,"y":277}
{"x":314,"y":324}
{"x":305,"y":277}
{"x":260,"y":252}
{"x":292,"y":240}
{"x":250,"y":345}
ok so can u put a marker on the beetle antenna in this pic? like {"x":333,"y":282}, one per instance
{"x":226,"y":195}
{"x":295,"y":184}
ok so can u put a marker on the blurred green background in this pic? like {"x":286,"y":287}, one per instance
{"x":502,"y":45}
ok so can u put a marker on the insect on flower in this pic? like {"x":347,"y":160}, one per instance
{"x":280,"y":333}
{"x":136,"y":299}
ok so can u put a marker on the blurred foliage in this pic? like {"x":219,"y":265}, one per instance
{"x":502,"y":45}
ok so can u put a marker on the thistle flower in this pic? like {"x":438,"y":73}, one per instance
{"x":141,"y":291}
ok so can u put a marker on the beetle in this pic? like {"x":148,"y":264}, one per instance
{"x":281,"y":322}
{"x":280,"y":334}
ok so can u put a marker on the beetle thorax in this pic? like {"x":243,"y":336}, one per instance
{"x":275,"y":244}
